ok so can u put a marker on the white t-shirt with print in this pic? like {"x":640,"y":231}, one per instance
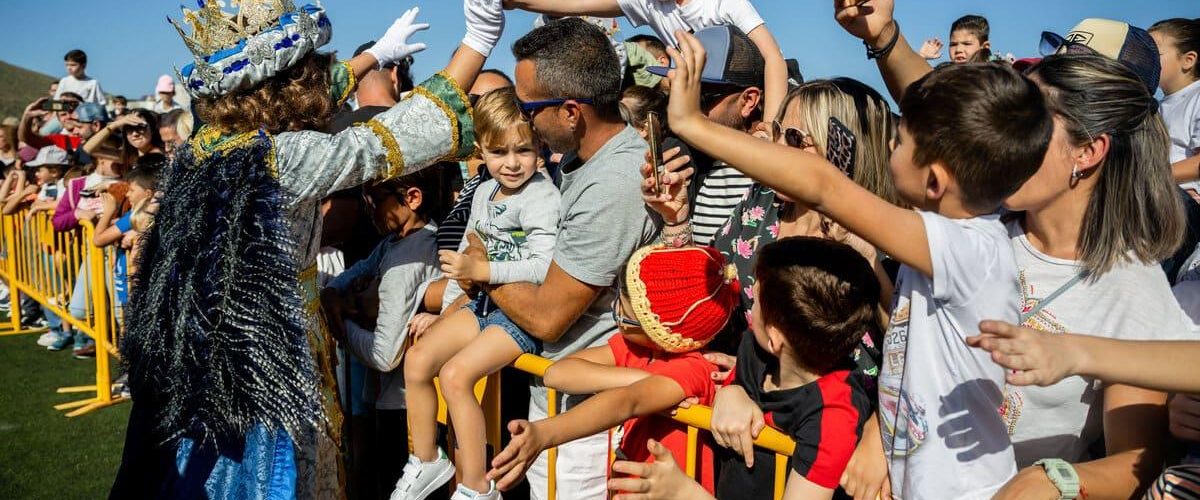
{"x":939,"y":399}
{"x":665,"y":17}
{"x":1133,"y":301}
{"x":1181,"y":112}
{"x":87,"y":88}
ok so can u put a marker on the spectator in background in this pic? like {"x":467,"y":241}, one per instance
{"x":140,"y":136}
{"x":174,"y":127}
{"x":77,"y":81}
{"x":53,"y":90}
{"x":969,"y":41}
{"x":165,"y":101}
{"x":8,"y":146}
{"x":657,"y":49}
{"x":1178,"y":43}
{"x":120,"y":105}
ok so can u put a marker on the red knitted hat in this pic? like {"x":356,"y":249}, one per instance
{"x":682,"y":296}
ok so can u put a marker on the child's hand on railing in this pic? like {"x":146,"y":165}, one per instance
{"x":659,"y":480}
{"x":509,"y":466}
{"x":736,"y":421}
{"x":725,"y":364}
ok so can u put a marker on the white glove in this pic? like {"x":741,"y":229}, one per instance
{"x":485,"y":23}
{"x":393,"y":45}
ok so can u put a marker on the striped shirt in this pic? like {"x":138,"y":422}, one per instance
{"x":720,"y":191}
{"x":450,"y":231}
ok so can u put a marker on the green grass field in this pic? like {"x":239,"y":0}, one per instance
{"x":42,"y":453}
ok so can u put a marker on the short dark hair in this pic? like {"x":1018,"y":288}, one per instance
{"x":574,"y":60}
{"x":986,"y":123}
{"x":1186,"y":33}
{"x":76,"y":56}
{"x":823,"y":296}
{"x":434,"y":186}
{"x":973,"y":24}
{"x":121,"y":99}
{"x":651,"y":43}
{"x":146,"y":177}
{"x":499,"y":73}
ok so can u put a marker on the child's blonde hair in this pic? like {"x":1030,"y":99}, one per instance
{"x":497,"y":116}
{"x":141,"y":218}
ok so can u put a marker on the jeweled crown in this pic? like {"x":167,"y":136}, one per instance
{"x":214,"y":29}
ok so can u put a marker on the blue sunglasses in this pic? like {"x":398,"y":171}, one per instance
{"x":528,"y":109}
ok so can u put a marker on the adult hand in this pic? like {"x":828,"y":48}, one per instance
{"x":672,"y":202}
{"x":128,"y":119}
{"x":34,"y":109}
{"x":1029,"y":483}
{"x":393,"y":45}
{"x":1035,"y":357}
{"x":419,"y":324}
{"x":683,"y":109}
{"x":736,"y":421}
{"x":866,"y":20}
{"x":657,"y":480}
{"x":509,"y":466}
{"x":485,"y":24}
{"x":1185,"y":417}
{"x":866,"y":474}
{"x":724,"y":362}
{"x":931,"y":49}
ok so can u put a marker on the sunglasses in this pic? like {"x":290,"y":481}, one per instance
{"x":793,"y":137}
{"x":1053,"y":43}
{"x":620,"y":319}
{"x":140,"y":129}
{"x":528,"y":109}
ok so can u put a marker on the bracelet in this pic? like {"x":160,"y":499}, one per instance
{"x":678,"y":239}
{"x":873,"y":53}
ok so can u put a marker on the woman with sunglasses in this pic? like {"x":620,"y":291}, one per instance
{"x":1088,"y":231}
{"x":140,"y":130}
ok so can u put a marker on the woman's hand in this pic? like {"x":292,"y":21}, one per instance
{"x":128,"y":120}
{"x":683,"y":109}
{"x":866,"y":474}
{"x":865,"y":20}
{"x":1035,"y":357}
{"x":736,"y":421}
{"x":724,"y":362}
{"x":658,"y":480}
{"x":672,"y":202}
{"x":1030,"y":483}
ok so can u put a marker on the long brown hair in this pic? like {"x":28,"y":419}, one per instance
{"x":295,"y":99}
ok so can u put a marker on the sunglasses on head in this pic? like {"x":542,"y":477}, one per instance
{"x":1053,"y":43}
{"x":528,"y":109}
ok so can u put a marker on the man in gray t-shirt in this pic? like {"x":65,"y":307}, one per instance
{"x":568,"y":82}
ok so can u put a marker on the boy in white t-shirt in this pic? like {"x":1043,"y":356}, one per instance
{"x":940,"y":421}
{"x":77,"y":81}
{"x":666,"y":17}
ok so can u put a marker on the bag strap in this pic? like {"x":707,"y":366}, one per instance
{"x":1082,"y":275}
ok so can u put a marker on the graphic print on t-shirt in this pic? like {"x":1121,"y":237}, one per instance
{"x":1043,"y":320}
{"x":902,"y":415}
{"x":503,"y":243}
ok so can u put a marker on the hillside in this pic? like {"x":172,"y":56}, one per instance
{"x":19,"y":87}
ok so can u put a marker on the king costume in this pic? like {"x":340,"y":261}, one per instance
{"x":229,"y":363}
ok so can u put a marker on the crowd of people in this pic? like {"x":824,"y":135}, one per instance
{"x":989,"y":291}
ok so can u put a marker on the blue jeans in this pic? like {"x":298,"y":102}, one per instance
{"x":496,"y":317}
{"x":79,"y":303}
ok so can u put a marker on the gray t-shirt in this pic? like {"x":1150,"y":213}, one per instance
{"x":602,"y":222}
{"x":1133,"y":301}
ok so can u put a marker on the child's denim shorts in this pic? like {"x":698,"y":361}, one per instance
{"x":496,"y":317}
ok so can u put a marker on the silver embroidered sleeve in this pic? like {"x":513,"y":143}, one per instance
{"x":313,"y":164}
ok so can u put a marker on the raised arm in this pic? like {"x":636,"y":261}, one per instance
{"x":809,"y":178}
{"x":775,"y":85}
{"x":25,"y":132}
{"x":873,"y":23}
{"x":598,"y":8}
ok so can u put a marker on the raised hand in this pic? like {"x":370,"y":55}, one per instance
{"x":1034,"y":357}
{"x":672,"y":203}
{"x":867,"y":20}
{"x":393,"y":45}
{"x":485,"y":24}
{"x":684,"y":107}
{"x":931,"y":49}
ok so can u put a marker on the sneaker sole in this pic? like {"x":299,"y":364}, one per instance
{"x":438,"y":482}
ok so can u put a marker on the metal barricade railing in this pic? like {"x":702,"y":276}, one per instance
{"x":46,"y":265}
{"x":696,"y":418}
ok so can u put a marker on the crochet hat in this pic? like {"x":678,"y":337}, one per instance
{"x":234,"y":52}
{"x":682,"y":296}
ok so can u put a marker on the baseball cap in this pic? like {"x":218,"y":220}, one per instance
{"x":732,"y":58}
{"x":90,"y":112}
{"x":49,"y":155}
{"x":683,"y":297}
{"x":1129,"y":45}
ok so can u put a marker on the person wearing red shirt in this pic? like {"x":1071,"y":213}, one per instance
{"x":673,"y":301}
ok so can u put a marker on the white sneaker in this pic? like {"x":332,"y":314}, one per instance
{"x":465,"y":493}
{"x":47,"y":339}
{"x":422,"y":478}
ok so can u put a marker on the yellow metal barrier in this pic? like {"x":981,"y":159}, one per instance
{"x":44,"y":265}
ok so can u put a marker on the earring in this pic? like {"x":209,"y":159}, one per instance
{"x":1075,"y":173}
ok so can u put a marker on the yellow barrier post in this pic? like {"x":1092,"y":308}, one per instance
{"x":12,"y":248}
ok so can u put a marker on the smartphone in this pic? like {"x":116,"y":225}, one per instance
{"x":841,"y":147}
{"x":58,"y":106}
{"x":654,"y":137}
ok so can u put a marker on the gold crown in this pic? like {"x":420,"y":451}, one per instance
{"x":214,"y":29}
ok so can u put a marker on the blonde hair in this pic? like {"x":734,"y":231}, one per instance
{"x":865,"y":113}
{"x":141,"y":218}
{"x":497,"y":116}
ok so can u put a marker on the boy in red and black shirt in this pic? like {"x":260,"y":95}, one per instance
{"x":673,"y":301}
{"x":814,"y":299}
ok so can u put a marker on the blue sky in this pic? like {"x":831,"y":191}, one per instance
{"x":129,"y":42}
